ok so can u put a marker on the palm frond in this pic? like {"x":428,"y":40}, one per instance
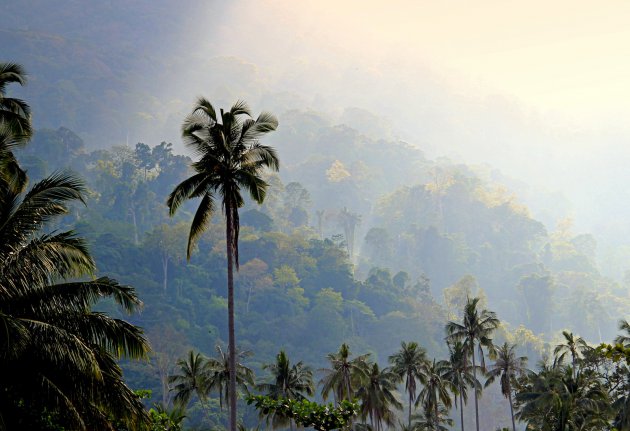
{"x":200,"y":222}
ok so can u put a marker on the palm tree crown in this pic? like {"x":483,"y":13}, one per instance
{"x":377,"y":396}
{"x":344,"y":374}
{"x":192,"y":379}
{"x":217,"y":370}
{"x":230,"y":158}
{"x":55,"y":350}
{"x":410,"y":363}
{"x":288,"y":381}
{"x":15,"y":114}
{"x":573,"y":345}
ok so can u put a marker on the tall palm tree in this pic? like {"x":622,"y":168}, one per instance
{"x":458,"y":371}
{"x":507,"y":367}
{"x":231,"y":158}
{"x":474,"y":332}
{"x":436,"y":387}
{"x":377,"y":397}
{"x":192,"y":379}
{"x":344,"y":373}
{"x":57,"y":354}
{"x":217,"y":371}
{"x":287,"y":381}
{"x":15,"y":114}
{"x":573,"y":345}
{"x":410,"y":363}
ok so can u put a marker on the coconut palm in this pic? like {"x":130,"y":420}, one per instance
{"x":57,"y":354}
{"x":192,"y":379}
{"x":507,"y":367}
{"x":624,"y":338}
{"x":436,"y":387}
{"x":458,"y":371}
{"x":287,"y":381}
{"x":230,"y":159}
{"x":573,"y":345}
{"x":11,"y":174}
{"x":474,"y":332}
{"x":429,"y":420}
{"x":15,"y":114}
{"x":377,"y":397}
{"x":556,"y":400}
{"x":344,"y":373}
{"x":217,"y":371}
{"x":410,"y":363}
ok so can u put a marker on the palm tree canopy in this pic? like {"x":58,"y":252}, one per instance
{"x":15,"y":114}
{"x":377,"y":396}
{"x":410,"y":363}
{"x":288,"y":381}
{"x":217,"y":371}
{"x":56,"y":352}
{"x":507,"y":367}
{"x":624,"y":338}
{"x":436,"y":387}
{"x":191,"y":379}
{"x":475,"y":330}
{"x":344,"y":373}
{"x":556,"y":398}
{"x":458,"y":371}
{"x":231,"y":158}
{"x":11,"y":174}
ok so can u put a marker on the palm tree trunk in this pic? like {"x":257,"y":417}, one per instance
{"x":461,"y":409}
{"x":164,"y":270}
{"x":410,"y":401}
{"x":232,"y":346}
{"x":475,"y":388}
{"x":437,"y":414}
{"x":511,"y":408}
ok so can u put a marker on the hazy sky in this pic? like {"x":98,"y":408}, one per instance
{"x":571,"y":58}
{"x":538,"y":89}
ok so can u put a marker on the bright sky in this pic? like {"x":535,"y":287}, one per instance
{"x":567,"y":57}
{"x":562,"y":66}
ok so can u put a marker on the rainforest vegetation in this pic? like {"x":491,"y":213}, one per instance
{"x":249,"y":260}
{"x":434,"y":304}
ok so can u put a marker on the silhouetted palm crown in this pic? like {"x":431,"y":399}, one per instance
{"x":15,"y":114}
{"x":55,"y":350}
{"x":231,"y":158}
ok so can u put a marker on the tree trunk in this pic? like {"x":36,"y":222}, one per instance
{"x":475,"y":388}
{"x":164,"y":271}
{"x":461,"y":409}
{"x":132,"y":211}
{"x":437,"y":412}
{"x":410,"y":401}
{"x":511,"y":408}
{"x":232,"y":347}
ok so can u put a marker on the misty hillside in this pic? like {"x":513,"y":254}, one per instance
{"x":404,"y":190}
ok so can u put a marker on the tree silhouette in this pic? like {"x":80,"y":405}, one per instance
{"x":231,"y":158}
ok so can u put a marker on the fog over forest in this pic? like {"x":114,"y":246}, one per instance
{"x":474,"y":148}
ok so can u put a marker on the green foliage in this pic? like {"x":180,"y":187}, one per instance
{"x":307,"y":413}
